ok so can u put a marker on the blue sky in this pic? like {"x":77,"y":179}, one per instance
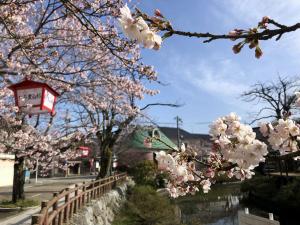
{"x":208,"y":78}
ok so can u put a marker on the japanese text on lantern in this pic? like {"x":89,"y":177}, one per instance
{"x":29,"y":96}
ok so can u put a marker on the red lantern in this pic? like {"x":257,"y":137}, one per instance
{"x":85,"y":151}
{"x":39,"y":96}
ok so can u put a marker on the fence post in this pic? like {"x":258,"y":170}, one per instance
{"x":66,"y":211}
{"x":76,"y":199}
{"x":60,"y":217}
{"x":44,"y":205}
{"x":114,"y":182}
{"x":98,"y":189}
{"x":83,"y":193}
{"x":55,"y":194}
{"x":92,"y":190}
{"x":36,"y":219}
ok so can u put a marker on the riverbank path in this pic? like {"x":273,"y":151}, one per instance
{"x":42,"y":190}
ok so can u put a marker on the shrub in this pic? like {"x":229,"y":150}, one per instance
{"x":289,"y":195}
{"x":146,"y":207}
{"x":144,"y":173}
{"x":276,"y":193}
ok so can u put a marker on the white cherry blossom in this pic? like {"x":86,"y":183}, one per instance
{"x":205,"y":185}
{"x":297,"y":101}
{"x":283,"y":135}
{"x":137,"y":29}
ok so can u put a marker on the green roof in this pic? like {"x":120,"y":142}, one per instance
{"x":150,"y":138}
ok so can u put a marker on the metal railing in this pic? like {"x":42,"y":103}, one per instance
{"x":60,"y":209}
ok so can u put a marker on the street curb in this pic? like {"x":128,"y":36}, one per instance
{"x":23,"y":213}
{"x":2,"y":209}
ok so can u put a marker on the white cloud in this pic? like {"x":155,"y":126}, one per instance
{"x":216,"y":78}
{"x":247,"y":13}
{"x":250,"y":11}
{"x":219,"y":78}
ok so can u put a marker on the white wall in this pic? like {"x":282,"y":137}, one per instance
{"x":6,"y":169}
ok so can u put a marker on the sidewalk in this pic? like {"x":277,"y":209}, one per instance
{"x":43,"y":190}
{"x":45,"y":186}
{"x":23,"y":218}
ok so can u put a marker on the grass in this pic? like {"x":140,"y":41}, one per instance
{"x":22,"y":204}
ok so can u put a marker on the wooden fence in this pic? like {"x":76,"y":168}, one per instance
{"x":60,"y":209}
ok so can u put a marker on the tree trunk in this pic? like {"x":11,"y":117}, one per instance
{"x":105,"y":163}
{"x":19,"y":180}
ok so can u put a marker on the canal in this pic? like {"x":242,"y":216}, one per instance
{"x":218,"y":207}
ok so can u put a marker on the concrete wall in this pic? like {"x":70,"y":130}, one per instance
{"x":103,"y":210}
{"x":7,"y":169}
{"x":248,"y":219}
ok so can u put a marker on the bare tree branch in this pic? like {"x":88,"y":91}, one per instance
{"x":279,"y":97}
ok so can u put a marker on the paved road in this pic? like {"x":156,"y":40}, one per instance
{"x":43,"y":190}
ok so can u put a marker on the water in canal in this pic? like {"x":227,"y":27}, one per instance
{"x":219,"y":207}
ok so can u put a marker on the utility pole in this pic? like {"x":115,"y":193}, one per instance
{"x":36,"y":170}
{"x":67,"y":122}
{"x":178,"y":120}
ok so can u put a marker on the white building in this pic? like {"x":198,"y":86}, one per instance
{"x":7,"y":169}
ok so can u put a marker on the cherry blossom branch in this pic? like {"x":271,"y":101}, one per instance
{"x":143,"y":28}
{"x":87,"y":23}
{"x":263,"y":35}
{"x":201,"y":162}
{"x":162,"y":24}
{"x":160,"y":104}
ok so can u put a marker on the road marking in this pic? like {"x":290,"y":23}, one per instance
{"x":28,"y":186}
{"x":34,"y":195}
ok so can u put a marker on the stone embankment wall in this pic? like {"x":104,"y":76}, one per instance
{"x":103,"y":210}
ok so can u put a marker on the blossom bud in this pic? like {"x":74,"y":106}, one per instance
{"x":156,"y":46}
{"x":265,"y":19}
{"x":54,"y":53}
{"x":237,"y":48}
{"x":158,"y":13}
{"x":233,"y":34}
{"x":258,"y":52}
{"x":253,"y":44}
{"x":40,"y":46}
